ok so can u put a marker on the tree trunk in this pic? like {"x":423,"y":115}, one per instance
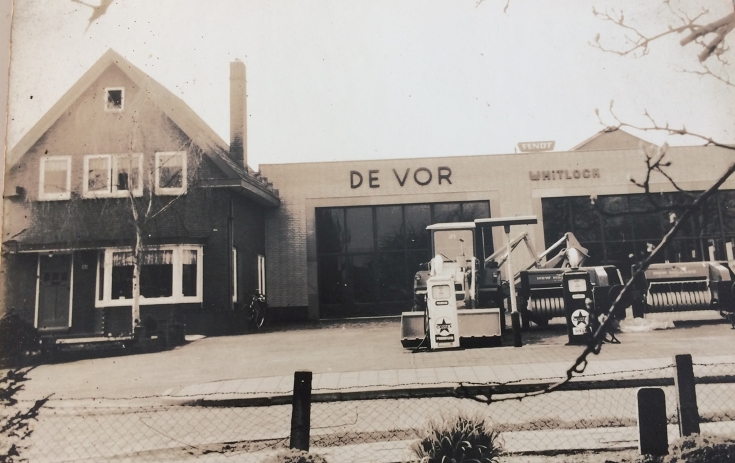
{"x":137,"y":251}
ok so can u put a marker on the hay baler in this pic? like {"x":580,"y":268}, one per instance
{"x":541,"y":294}
{"x":686,"y":286}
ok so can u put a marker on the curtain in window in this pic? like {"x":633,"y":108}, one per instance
{"x":120,"y":259}
{"x":156,"y":273}
{"x":55,"y":173}
{"x":122,"y":275}
{"x":98,"y":174}
{"x":188,"y":257}
{"x":159,"y":277}
{"x":156,"y":257}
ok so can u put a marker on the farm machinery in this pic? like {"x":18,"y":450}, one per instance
{"x":686,"y":286}
{"x":460,"y":297}
{"x":542,"y":289}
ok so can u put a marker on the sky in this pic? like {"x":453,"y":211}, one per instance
{"x":335,"y":80}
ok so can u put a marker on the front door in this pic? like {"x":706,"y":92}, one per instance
{"x":54,"y":291}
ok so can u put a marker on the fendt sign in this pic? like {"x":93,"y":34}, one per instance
{"x":535,"y":146}
{"x":421,"y":176}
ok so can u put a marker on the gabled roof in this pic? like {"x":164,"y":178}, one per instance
{"x":610,"y":138}
{"x":174,"y":108}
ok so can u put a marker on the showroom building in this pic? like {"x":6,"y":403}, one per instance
{"x":348,"y":236}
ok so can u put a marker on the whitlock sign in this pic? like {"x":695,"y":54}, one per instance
{"x":563,"y":174}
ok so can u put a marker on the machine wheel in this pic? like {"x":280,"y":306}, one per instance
{"x":613,"y":294}
{"x":638,"y":305}
{"x":419,"y":303}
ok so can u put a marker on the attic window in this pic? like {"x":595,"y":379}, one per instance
{"x":114,"y":99}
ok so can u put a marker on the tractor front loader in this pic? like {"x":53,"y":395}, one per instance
{"x":459,"y":298}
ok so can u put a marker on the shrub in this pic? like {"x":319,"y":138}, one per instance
{"x":457,"y":439}
{"x":702,"y":449}
{"x":17,"y":337}
{"x":693,"y":449}
{"x":295,"y":456}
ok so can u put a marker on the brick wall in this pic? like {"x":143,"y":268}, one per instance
{"x":504,"y":180}
{"x":19,"y":275}
{"x":249,"y":239}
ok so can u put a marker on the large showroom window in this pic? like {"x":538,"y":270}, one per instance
{"x":620,"y":230}
{"x":168,"y":275}
{"x":367,"y":255}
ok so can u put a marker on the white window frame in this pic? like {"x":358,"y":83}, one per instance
{"x":261,"y":274}
{"x":176,"y":297}
{"x":85,"y":186}
{"x":112,"y":167}
{"x":168,"y":190}
{"x":113,"y":109}
{"x":124,"y":193}
{"x":43,"y":196}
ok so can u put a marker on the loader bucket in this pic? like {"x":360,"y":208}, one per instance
{"x":412,"y":329}
{"x":477,"y":328}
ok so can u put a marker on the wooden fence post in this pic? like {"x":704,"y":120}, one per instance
{"x":301,"y":411}
{"x":652,"y":435}
{"x":686,"y":395}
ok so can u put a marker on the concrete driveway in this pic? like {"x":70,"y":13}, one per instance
{"x":341,"y":347}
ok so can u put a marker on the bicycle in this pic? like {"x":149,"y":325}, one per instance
{"x":255,"y":309}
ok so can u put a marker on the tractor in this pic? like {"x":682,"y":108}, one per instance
{"x":459,"y":296}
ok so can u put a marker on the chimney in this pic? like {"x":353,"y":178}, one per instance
{"x":238,"y":114}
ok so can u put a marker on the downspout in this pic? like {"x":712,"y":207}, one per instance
{"x":230,"y":244}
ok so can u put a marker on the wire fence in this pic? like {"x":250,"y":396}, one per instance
{"x":371,"y":424}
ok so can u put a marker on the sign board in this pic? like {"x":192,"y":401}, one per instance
{"x":536,"y":146}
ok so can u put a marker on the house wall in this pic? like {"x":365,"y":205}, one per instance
{"x":19,"y":274}
{"x":198,"y":217}
{"x":249,"y":239}
{"x":85,"y":318}
{"x":513,"y":184}
{"x":87,"y":129}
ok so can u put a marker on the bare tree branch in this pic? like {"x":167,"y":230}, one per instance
{"x":698,"y":33}
{"x":655,"y":126}
{"x":709,"y":72}
{"x":640,"y":40}
{"x":655,"y":163}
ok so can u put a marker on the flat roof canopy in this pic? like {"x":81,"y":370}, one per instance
{"x":451,"y":226}
{"x":500,"y":221}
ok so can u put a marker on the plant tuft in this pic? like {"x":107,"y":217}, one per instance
{"x":457,"y":439}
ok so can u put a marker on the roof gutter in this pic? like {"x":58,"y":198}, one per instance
{"x":256,"y":192}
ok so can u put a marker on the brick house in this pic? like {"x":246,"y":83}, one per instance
{"x":116,"y":147}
